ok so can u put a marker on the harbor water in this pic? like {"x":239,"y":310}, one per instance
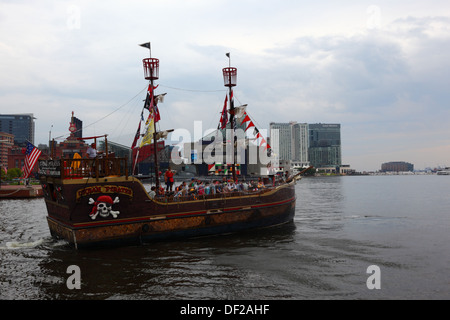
{"x":342,"y":227}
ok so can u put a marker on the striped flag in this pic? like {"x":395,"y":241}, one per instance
{"x":32,"y":155}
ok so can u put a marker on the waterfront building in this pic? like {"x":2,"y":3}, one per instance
{"x":325,"y":145}
{"x":397,"y":166}
{"x":281,"y":139}
{"x":6,"y":143}
{"x":19,"y":125}
{"x":300,"y":143}
{"x":291,"y":141}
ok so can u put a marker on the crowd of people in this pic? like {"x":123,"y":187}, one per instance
{"x":197,"y":188}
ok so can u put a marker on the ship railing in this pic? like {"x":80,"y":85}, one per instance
{"x":93,"y":168}
{"x":220,"y":195}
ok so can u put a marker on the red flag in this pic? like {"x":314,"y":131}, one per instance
{"x":224,"y":116}
{"x":262,"y":142}
{"x":246,"y":118}
{"x":250,"y":125}
{"x":32,"y":155}
{"x":157,"y":116}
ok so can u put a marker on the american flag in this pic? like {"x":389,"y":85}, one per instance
{"x":32,"y":155}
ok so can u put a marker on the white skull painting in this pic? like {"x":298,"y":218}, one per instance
{"x":103,"y":207}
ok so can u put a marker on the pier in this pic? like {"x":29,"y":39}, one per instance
{"x":20,"y":192}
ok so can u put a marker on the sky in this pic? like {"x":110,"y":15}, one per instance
{"x":379,"y":68}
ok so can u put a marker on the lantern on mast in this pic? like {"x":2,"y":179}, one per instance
{"x":151,"y":68}
{"x":229,"y":76}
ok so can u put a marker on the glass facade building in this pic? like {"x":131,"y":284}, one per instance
{"x":325,"y":145}
{"x":19,"y":125}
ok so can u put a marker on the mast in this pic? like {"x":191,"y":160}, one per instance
{"x":229,"y":78}
{"x":151,"y":72}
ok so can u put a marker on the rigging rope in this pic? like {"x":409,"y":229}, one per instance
{"x":114,"y":111}
{"x":190,"y":90}
{"x":139,"y":93}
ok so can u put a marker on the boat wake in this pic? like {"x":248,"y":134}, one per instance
{"x":20,"y":245}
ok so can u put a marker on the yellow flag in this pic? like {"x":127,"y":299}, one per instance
{"x":149,"y":130}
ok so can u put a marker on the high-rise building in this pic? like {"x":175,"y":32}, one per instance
{"x":79,"y":126}
{"x":300,"y":143}
{"x":316,"y":144}
{"x":291,"y":139}
{"x":325,"y":145}
{"x":19,"y":125}
{"x":281,"y":139}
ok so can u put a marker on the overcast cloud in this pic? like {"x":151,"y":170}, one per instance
{"x":379,"y":68}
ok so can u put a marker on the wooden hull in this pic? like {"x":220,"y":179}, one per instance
{"x":75,"y":213}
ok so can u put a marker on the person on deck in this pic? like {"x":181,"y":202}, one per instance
{"x":91,"y":151}
{"x":200,"y":188}
{"x":152,"y":192}
{"x":168,"y":177}
{"x":260,"y":183}
{"x":207,"y":188}
{"x":287,"y":176}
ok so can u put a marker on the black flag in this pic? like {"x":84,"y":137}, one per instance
{"x":145,"y":45}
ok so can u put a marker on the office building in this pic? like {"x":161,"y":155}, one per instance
{"x":281,"y":139}
{"x":19,"y":125}
{"x":300,"y":143}
{"x":290,"y":141}
{"x":325,"y":145}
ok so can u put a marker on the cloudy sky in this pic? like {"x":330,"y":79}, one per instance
{"x":379,"y":68}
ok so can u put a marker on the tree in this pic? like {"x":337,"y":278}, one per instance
{"x":14,"y":173}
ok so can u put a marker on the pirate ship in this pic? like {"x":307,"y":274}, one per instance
{"x":97,"y":201}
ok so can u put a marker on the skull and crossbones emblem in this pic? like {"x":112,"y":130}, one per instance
{"x":103,"y":207}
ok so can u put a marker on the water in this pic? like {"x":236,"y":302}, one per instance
{"x":342,"y":226}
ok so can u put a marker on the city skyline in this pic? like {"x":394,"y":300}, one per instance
{"x":292,"y":141}
{"x":380,"y":70}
